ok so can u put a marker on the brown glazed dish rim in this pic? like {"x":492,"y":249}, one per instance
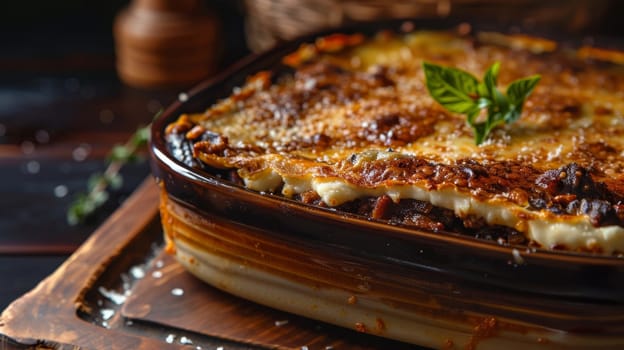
{"x":606,"y":273}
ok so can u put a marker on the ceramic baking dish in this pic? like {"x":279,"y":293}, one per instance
{"x":430,"y":289}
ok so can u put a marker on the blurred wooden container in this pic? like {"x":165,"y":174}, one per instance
{"x":271,"y":21}
{"x":165,"y":43}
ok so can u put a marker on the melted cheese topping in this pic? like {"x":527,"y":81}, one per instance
{"x":360,"y":123}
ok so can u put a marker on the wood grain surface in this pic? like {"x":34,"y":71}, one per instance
{"x":49,"y":313}
{"x":119,"y":290}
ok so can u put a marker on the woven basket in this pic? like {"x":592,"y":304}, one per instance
{"x":271,"y":21}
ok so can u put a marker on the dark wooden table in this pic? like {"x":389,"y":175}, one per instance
{"x":62,"y":108}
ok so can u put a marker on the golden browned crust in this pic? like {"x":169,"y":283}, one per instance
{"x":362,"y":114}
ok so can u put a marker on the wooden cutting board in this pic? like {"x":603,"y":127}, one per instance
{"x":119,"y":290}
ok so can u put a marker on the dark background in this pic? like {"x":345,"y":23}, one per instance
{"x":54,"y":29}
{"x":57,"y":76}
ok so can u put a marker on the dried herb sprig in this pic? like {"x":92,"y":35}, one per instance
{"x":460,"y":92}
{"x":86,"y":204}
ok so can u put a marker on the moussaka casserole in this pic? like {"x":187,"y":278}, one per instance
{"x":358,"y":131}
{"x":331,"y":183}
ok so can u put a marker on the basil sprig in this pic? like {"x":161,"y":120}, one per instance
{"x":460,"y":92}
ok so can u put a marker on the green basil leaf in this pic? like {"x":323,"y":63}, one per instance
{"x":460,"y":92}
{"x":480,"y":132}
{"x":490,"y":78}
{"x":500,"y":101}
{"x":483,"y":103}
{"x":472,"y":116}
{"x":520,"y":89}
{"x":453,"y":88}
{"x":480,"y":104}
{"x":494,"y":119}
{"x":483,"y":91}
{"x":513,"y":114}
{"x":517,"y":92}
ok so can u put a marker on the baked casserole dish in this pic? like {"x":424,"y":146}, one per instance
{"x":322,"y":178}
